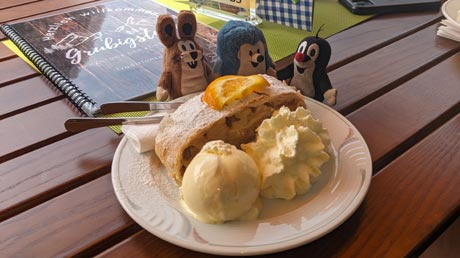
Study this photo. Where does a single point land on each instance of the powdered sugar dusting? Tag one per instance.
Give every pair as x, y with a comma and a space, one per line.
146, 169
148, 190
163, 182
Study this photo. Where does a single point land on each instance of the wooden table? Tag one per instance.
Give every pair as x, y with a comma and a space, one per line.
398, 83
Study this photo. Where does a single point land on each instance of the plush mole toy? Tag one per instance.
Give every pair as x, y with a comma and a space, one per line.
242, 50
310, 76
184, 70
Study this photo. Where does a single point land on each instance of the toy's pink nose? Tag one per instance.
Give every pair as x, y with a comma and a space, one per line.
299, 57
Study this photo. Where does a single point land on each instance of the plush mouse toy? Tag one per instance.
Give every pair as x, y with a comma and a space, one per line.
242, 50
310, 76
184, 69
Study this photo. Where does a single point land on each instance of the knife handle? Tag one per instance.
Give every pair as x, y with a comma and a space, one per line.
78, 124
124, 106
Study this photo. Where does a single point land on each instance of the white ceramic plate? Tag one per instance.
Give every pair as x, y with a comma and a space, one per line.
152, 199
450, 10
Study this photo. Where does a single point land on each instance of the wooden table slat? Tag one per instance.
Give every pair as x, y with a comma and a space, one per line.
11, 3
35, 128
61, 10
5, 53
411, 110
39, 92
371, 76
39, 7
376, 33
14, 70
400, 211
42, 174
65, 225
145, 245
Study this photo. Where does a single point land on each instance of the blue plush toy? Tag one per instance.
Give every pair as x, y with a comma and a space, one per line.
242, 50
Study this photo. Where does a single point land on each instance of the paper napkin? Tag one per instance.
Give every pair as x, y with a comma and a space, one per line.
449, 29
142, 136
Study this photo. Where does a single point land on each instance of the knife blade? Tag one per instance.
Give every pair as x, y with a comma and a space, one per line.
78, 124
131, 106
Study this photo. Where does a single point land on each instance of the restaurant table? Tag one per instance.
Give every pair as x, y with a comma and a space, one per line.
398, 84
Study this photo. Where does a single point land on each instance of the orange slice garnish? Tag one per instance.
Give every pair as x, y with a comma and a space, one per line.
229, 88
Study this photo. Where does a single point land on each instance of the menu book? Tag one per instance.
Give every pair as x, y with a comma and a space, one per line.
104, 53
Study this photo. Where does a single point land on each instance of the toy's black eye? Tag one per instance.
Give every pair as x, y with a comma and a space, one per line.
258, 51
186, 45
182, 45
250, 52
313, 51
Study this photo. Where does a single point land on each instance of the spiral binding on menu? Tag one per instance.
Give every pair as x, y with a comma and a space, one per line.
69, 89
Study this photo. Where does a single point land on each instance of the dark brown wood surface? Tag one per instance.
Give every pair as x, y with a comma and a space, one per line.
5, 53
398, 84
39, 93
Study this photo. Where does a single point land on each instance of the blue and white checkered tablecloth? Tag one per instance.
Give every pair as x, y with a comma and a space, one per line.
297, 14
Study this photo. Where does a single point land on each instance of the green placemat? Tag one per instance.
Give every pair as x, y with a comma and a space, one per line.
117, 128
281, 40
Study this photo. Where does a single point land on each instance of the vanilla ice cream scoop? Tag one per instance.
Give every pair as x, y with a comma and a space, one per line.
222, 183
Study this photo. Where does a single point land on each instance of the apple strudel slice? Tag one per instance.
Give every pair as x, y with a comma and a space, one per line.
182, 134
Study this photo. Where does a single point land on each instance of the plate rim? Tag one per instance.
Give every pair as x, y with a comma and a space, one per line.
444, 8
261, 249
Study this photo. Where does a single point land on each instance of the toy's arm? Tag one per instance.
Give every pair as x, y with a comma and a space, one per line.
329, 93
272, 72
217, 68
164, 86
286, 73
210, 76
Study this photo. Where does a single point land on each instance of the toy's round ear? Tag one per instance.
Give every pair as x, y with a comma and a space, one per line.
186, 24
166, 30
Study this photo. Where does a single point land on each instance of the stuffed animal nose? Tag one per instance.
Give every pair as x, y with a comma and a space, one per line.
257, 58
191, 56
194, 55
299, 57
